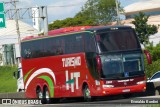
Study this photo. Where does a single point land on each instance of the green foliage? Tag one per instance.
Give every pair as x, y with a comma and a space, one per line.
151, 69
101, 12
151, 105
94, 12
7, 82
155, 66
77, 21
143, 30
154, 51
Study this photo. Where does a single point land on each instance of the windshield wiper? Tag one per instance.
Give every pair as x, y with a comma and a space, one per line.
120, 51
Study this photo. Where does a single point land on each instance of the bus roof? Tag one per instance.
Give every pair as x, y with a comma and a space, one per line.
60, 31
101, 28
75, 29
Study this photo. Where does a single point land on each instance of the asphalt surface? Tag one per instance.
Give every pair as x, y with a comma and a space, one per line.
110, 101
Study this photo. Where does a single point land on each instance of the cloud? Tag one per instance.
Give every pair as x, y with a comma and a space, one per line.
25, 3
57, 9
69, 9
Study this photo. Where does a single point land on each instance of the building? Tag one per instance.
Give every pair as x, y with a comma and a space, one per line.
9, 46
149, 7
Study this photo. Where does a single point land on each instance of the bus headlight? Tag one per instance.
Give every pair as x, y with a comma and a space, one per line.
108, 86
141, 82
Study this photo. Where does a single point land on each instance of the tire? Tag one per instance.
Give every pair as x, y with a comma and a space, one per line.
46, 96
86, 94
39, 93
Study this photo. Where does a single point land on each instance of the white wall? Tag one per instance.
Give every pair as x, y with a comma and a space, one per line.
155, 39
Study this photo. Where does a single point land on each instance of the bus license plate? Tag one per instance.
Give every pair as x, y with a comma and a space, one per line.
126, 90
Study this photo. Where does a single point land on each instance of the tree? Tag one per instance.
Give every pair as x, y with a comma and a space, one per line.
101, 12
76, 21
94, 12
142, 29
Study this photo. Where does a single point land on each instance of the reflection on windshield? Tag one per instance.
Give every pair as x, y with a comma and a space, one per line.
117, 41
122, 65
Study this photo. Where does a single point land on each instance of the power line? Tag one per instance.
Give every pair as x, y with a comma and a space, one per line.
69, 5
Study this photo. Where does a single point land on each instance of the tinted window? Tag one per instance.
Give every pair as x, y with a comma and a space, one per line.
117, 40
43, 47
73, 43
89, 43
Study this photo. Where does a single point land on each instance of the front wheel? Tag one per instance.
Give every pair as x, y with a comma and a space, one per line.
86, 94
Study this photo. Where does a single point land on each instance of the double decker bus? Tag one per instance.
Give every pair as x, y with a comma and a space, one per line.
83, 61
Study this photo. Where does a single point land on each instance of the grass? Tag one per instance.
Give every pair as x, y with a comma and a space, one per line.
7, 82
153, 105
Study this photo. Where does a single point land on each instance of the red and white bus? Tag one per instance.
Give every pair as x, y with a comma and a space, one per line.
83, 61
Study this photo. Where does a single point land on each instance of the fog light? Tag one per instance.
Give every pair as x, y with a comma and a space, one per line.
104, 92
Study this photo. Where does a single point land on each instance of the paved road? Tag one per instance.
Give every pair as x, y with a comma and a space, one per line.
112, 101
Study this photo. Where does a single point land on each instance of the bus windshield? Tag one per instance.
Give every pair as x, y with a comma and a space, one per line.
122, 65
119, 40
120, 54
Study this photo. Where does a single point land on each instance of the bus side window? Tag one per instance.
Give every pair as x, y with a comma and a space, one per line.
59, 51
58, 46
74, 44
89, 43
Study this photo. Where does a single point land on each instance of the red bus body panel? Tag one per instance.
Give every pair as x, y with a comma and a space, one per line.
65, 75
57, 66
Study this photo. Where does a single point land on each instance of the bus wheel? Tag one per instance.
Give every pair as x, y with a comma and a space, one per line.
86, 94
46, 96
39, 93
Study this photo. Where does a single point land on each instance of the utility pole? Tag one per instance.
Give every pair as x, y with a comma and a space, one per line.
117, 9
26, 13
44, 17
17, 28
29, 13
46, 21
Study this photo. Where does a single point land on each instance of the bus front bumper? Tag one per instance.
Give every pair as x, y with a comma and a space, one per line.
123, 90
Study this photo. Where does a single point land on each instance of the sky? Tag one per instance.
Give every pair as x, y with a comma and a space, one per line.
60, 9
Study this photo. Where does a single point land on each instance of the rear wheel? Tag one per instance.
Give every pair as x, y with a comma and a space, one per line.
86, 93
39, 93
46, 96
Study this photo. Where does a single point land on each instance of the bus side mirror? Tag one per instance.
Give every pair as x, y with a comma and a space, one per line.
148, 56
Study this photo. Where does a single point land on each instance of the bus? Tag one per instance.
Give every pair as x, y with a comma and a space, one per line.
83, 61
19, 76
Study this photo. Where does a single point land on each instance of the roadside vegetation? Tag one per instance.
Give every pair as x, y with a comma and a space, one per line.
155, 66
143, 31
7, 81
94, 12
